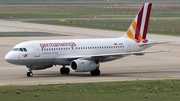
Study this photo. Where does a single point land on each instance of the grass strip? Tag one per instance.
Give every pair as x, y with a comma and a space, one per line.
161, 90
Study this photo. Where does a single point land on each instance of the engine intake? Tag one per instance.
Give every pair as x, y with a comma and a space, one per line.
83, 65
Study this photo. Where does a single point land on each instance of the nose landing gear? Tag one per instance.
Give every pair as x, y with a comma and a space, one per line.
30, 74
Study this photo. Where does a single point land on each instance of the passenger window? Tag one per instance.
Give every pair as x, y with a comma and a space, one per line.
20, 49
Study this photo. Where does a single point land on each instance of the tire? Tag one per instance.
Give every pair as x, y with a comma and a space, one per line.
29, 74
67, 70
95, 72
64, 70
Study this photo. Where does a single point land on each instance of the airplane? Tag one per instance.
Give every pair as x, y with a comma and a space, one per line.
84, 55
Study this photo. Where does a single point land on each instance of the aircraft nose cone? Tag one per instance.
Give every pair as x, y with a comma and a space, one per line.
13, 58
8, 58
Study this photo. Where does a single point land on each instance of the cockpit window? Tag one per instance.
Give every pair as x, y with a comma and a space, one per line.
20, 49
15, 49
25, 50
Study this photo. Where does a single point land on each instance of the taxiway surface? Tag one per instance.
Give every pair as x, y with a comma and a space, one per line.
147, 67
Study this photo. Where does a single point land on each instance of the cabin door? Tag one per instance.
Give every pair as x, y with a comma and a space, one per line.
36, 50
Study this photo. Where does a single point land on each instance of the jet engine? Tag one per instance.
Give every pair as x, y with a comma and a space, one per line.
83, 65
39, 67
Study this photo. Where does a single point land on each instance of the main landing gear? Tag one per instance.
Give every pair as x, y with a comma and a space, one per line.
64, 70
95, 72
30, 74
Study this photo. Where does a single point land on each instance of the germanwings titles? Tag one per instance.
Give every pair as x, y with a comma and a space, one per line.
84, 55
44, 45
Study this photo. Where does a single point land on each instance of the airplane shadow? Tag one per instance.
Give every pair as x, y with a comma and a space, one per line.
115, 74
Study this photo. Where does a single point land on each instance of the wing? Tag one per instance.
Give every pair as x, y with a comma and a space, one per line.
112, 56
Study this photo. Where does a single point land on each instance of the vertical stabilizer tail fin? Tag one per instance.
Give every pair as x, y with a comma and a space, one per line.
139, 26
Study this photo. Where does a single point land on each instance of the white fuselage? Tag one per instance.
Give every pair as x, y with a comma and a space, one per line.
57, 52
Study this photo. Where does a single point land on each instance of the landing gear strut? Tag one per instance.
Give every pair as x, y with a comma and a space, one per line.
64, 70
30, 74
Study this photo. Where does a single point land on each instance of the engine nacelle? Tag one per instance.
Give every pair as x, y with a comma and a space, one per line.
39, 67
83, 65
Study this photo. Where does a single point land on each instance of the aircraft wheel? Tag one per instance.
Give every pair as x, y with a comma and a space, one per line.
67, 70
95, 72
29, 74
64, 70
